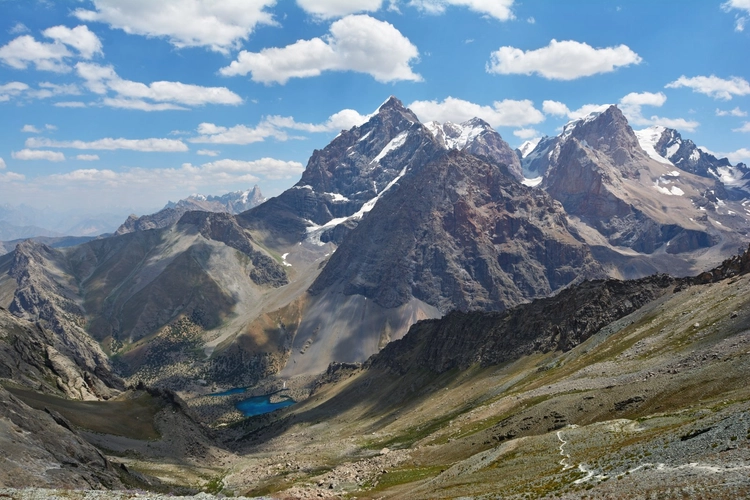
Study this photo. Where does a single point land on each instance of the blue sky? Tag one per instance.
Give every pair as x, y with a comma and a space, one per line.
126, 104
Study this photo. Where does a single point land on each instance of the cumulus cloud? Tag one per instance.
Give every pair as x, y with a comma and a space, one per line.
209, 133
526, 133
555, 108
8, 177
338, 8
30, 129
208, 152
80, 38
566, 60
744, 128
713, 86
87, 157
275, 127
2, 164
742, 154
220, 26
355, 43
342, 120
12, 89
38, 154
267, 167
165, 95
506, 113
109, 144
24, 50
732, 112
499, 9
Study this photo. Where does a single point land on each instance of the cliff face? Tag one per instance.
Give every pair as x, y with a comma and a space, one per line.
459, 233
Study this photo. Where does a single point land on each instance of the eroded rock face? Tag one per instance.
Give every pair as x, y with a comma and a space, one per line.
224, 228
600, 174
460, 340
459, 233
41, 450
82, 369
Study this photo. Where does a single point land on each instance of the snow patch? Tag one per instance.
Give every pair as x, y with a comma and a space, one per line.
527, 147
336, 197
283, 260
671, 150
532, 182
314, 231
648, 138
395, 143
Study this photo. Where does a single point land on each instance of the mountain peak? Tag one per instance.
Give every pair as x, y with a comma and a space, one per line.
391, 103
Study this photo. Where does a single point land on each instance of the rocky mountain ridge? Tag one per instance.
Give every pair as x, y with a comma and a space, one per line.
231, 203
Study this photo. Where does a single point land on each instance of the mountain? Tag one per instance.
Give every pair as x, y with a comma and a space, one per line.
232, 203
632, 209
476, 137
10, 232
608, 386
526, 148
667, 145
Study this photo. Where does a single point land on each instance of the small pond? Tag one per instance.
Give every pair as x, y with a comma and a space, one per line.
256, 405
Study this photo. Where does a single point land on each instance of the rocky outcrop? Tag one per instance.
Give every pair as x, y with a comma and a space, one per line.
83, 370
460, 340
224, 228
459, 233
41, 450
599, 172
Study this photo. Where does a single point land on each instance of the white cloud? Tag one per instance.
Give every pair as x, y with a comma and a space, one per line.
221, 26
50, 127
740, 20
713, 86
18, 29
47, 90
38, 154
342, 120
87, 157
144, 145
134, 95
208, 152
8, 177
499, 9
338, 8
566, 60
2, 164
531, 20
80, 38
210, 133
507, 113
555, 108
355, 43
744, 128
267, 167
30, 129
70, 104
141, 105
24, 50
526, 133
732, 112
12, 89
742, 154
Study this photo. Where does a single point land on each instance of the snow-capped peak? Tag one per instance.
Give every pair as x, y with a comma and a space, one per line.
648, 138
527, 147
458, 136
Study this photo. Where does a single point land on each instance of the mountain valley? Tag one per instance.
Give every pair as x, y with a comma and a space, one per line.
451, 317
